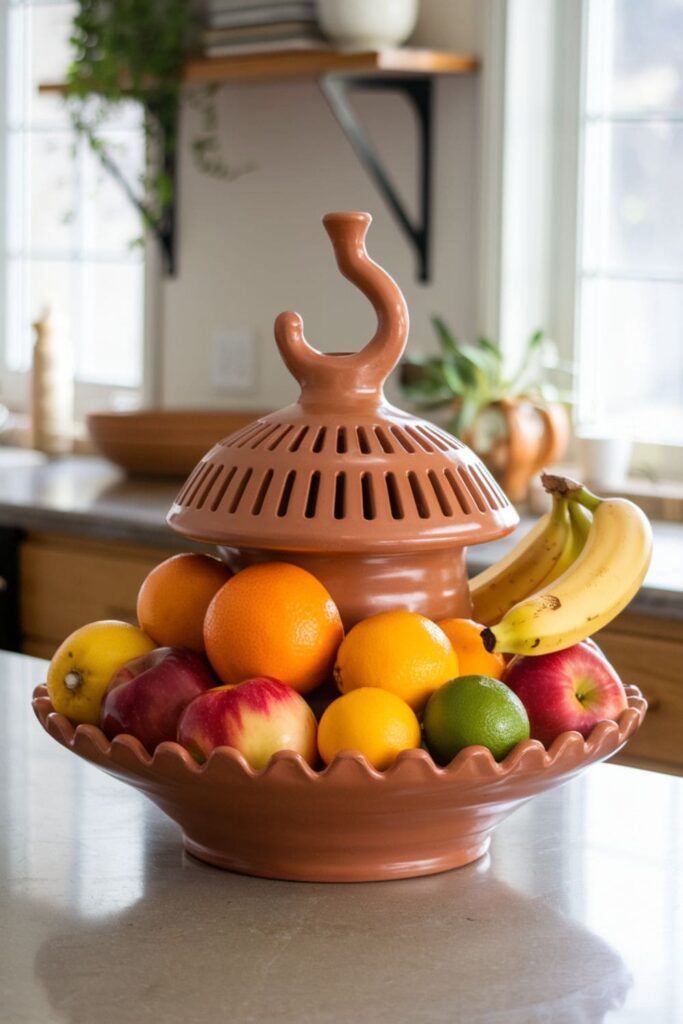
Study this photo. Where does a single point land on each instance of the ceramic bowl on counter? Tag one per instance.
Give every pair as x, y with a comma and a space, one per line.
348, 822
161, 442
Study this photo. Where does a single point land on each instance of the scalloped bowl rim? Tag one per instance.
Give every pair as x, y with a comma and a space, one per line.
479, 757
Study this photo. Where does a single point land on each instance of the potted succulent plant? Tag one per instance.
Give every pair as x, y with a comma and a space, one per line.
516, 423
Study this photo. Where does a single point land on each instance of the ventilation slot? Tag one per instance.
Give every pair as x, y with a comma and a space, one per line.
283, 504
341, 440
239, 435
222, 489
386, 444
201, 480
502, 497
471, 485
442, 438
363, 443
180, 500
251, 435
312, 497
485, 487
340, 496
262, 491
319, 440
213, 479
443, 501
402, 440
296, 443
278, 440
368, 496
264, 437
241, 488
431, 435
418, 496
395, 503
459, 491
420, 441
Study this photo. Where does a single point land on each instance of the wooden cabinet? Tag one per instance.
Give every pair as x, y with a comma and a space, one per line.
648, 652
66, 582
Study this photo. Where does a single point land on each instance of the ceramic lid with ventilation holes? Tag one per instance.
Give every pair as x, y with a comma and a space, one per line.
341, 469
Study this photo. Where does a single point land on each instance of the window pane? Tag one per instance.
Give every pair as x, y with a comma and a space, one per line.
53, 192
32, 288
633, 211
50, 56
110, 222
631, 360
635, 56
111, 352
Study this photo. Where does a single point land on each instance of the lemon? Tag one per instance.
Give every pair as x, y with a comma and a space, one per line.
398, 651
85, 662
470, 711
374, 722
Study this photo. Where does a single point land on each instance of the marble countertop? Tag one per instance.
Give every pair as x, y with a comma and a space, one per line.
89, 496
574, 916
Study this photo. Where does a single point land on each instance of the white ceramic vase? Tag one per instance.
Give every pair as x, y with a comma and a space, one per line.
367, 24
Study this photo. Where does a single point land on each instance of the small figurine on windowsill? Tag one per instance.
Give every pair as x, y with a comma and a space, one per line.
51, 391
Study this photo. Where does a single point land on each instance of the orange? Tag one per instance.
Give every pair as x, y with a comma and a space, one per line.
172, 601
374, 722
399, 651
276, 620
473, 657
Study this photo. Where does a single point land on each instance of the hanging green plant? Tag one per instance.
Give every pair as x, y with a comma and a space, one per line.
134, 51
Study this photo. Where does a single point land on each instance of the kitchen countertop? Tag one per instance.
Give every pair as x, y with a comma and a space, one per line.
575, 915
89, 496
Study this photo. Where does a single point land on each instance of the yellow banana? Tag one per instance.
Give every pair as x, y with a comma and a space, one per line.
495, 590
591, 592
579, 521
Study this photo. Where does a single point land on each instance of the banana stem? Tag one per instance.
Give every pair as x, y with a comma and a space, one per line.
488, 638
572, 489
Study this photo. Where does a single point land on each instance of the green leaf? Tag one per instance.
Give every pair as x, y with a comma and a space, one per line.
447, 341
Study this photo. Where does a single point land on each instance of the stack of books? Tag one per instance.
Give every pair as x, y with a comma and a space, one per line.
254, 26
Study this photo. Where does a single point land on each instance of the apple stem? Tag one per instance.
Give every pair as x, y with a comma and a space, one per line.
72, 680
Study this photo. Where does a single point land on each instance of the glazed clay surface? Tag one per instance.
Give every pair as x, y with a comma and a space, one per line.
378, 503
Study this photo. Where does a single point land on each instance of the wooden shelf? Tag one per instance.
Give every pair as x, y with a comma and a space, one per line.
313, 63
404, 70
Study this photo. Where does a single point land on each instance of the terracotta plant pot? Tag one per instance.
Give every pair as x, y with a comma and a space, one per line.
347, 823
522, 438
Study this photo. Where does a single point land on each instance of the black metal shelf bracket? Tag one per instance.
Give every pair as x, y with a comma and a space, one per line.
419, 90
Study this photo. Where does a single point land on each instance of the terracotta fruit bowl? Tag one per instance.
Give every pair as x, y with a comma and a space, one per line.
348, 823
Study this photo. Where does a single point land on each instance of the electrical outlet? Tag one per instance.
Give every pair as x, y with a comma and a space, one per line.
233, 360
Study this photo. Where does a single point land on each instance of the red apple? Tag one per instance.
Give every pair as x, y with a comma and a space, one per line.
257, 717
573, 689
148, 694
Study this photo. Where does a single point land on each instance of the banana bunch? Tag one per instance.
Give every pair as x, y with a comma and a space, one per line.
568, 577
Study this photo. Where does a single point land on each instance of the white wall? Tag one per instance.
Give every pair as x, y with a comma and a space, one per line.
251, 248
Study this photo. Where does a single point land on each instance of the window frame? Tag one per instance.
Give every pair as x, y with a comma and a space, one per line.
14, 385
512, 35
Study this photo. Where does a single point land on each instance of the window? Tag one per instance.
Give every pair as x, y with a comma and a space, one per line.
630, 252
66, 229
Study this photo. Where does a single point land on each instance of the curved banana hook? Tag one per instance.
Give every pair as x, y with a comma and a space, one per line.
362, 372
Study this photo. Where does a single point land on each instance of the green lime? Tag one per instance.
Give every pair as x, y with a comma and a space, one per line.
474, 710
